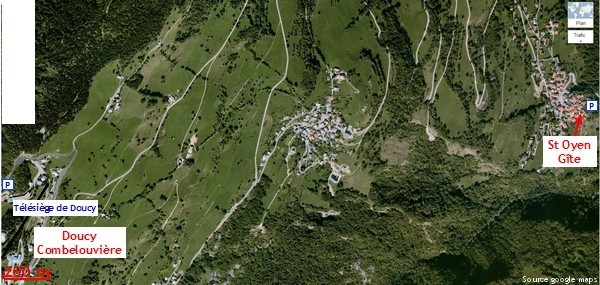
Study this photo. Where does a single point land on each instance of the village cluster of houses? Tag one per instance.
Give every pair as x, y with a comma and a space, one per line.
553, 80
322, 124
543, 36
565, 106
322, 128
322, 131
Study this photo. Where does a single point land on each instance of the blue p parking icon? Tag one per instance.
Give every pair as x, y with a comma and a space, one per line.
8, 184
591, 106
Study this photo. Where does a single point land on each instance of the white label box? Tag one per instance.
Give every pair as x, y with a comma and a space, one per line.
591, 106
79, 242
54, 208
580, 37
8, 184
570, 151
580, 23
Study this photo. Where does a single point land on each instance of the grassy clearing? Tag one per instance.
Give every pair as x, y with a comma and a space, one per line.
313, 199
509, 140
395, 151
450, 110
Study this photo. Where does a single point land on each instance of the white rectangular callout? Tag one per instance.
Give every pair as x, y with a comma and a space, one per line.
570, 151
53, 208
79, 242
18, 61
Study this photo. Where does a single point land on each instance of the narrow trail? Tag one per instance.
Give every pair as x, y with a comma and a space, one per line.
269, 50
107, 7
352, 86
273, 200
185, 135
479, 96
535, 55
151, 211
502, 85
364, 131
433, 88
257, 66
160, 42
174, 207
211, 61
257, 177
455, 7
445, 68
387, 83
481, 101
525, 31
142, 259
262, 124
489, 17
155, 243
238, 93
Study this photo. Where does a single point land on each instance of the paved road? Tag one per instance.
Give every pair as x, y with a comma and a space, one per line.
423, 37
379, 29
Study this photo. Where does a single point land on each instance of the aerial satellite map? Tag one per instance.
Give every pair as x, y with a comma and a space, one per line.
307, 142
